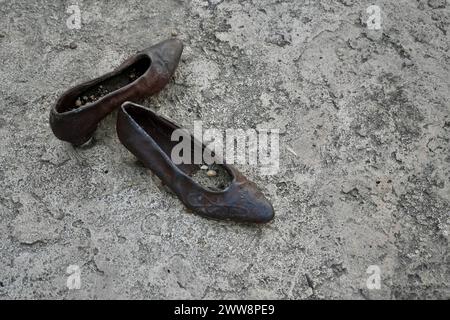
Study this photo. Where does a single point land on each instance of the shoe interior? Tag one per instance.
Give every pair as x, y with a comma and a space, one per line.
214, 177
80, 97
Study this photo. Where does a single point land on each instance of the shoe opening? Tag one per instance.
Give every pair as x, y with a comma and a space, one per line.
214, 177
82, 96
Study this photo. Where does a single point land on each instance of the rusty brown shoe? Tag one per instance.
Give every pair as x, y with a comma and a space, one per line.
148, 136
76, 114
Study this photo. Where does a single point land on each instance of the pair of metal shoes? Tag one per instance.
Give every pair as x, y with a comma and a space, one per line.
76, 114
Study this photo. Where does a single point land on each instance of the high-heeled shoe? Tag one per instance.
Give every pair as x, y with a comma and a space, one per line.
76, 114
148, 136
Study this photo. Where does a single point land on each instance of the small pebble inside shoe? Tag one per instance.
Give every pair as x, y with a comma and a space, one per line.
213, 177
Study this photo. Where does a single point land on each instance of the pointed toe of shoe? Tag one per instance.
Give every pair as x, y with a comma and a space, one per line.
252, 206
170, 52
265, 213
261, 212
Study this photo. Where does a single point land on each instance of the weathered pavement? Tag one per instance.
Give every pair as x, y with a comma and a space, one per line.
364, 177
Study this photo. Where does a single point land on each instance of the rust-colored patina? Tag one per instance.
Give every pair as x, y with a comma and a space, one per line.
148, 136
156, 66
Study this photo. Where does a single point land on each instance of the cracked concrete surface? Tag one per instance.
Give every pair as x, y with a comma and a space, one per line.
364, 177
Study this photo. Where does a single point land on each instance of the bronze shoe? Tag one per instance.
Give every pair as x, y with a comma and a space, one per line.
76, 114
148, 136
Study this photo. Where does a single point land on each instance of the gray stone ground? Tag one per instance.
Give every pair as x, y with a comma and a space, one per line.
366, 114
